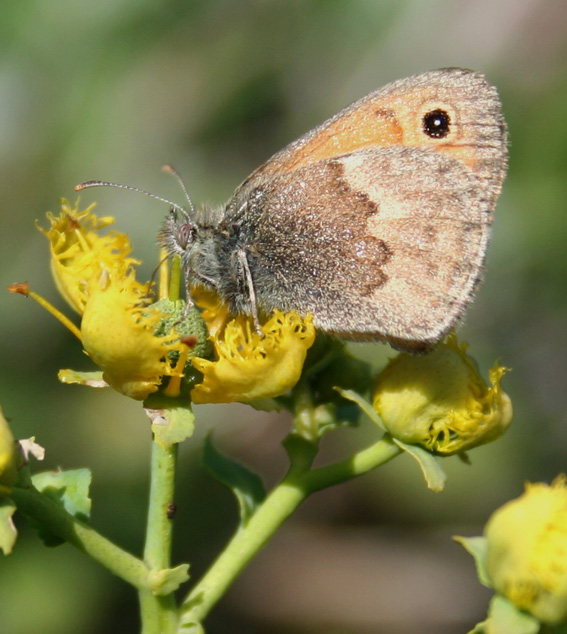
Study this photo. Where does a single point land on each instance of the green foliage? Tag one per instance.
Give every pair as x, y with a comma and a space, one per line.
172, 420
429, 464
476, 546
69, 489
246, 485
505, 618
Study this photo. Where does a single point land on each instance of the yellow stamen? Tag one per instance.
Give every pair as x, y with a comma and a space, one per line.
23, 289
173, 388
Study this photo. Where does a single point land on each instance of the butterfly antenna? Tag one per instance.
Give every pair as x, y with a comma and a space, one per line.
89, 184
171, 170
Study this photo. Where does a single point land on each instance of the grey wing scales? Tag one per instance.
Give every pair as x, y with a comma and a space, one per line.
385, 243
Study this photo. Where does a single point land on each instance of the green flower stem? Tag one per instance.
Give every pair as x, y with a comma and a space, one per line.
150, 612
55, 518
304, 418
158, 613
175, 279
246, 543
157, 550
362, 462
278, 506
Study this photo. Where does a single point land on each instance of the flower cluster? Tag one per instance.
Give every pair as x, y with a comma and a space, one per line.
122, 329
142, 346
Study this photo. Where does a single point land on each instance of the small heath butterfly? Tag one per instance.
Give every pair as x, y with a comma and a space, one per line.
376, 222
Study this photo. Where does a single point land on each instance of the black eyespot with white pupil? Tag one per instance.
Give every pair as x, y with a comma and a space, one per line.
437, 124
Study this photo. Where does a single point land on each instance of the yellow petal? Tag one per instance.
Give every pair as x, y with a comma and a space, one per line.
215, 314
250, 366
118, 334
79, 254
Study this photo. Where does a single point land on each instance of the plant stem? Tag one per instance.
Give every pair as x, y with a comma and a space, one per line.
55, 518
304, 424
157, 551
150, 612
362, 462
278, 506
159, 613
246, 543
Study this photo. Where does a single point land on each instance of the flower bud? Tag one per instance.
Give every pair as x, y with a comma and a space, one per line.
10, 457
526, 557
440, 401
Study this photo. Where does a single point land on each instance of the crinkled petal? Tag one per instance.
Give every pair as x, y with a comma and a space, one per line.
215, 314
79, 254
118, 334
250, 366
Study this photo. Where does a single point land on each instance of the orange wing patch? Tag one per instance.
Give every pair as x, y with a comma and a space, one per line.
378, 122
368, 126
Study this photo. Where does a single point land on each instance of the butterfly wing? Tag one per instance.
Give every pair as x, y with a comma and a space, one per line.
397, 261
377, 222
393, 116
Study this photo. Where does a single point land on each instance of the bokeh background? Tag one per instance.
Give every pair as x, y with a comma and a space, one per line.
113, 89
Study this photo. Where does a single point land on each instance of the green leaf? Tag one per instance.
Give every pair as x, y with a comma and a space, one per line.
246, 485
476, 546
479, 628
191, 628
8, 532
266, 405
505, 618
432, 471
173, 420
434, 475
364, 405
69, 489
90, 379
166, 581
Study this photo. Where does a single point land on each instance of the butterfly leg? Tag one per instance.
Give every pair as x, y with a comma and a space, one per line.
188, 299
251, 292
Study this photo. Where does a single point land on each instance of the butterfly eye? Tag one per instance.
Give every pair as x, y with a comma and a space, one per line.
185, 235
436, 124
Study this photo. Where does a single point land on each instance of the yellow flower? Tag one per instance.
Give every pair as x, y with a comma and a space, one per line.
10, 457
79, 254
214, 313
97, 278
249, 366
526, 557
118, 335
136, 344
440, 401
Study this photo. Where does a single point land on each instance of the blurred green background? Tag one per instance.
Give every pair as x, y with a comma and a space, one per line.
114, 89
